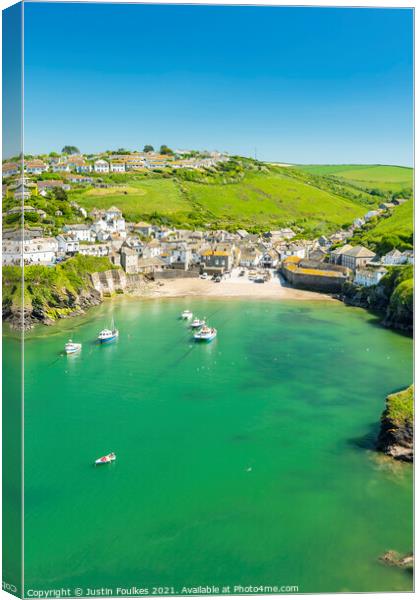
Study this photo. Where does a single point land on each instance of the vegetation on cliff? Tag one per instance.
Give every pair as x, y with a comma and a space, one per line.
392, 298
400, 406
396, 434
392, 231
48, 293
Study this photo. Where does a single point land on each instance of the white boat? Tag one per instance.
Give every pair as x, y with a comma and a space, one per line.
206, 334
72, 347
187, 314
106, 459
197, 323
108, 335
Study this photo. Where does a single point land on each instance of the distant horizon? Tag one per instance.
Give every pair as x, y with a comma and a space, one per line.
276, 161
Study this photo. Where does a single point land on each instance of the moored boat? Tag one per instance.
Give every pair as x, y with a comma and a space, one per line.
197, 323
108, 335
187, 314
206, 334
106, 459
72, 347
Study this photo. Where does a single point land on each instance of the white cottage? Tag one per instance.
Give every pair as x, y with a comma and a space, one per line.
80, 232
117, 167
368, 277
101, 166
35, 251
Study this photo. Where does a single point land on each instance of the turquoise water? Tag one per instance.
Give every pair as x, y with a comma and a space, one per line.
241, 462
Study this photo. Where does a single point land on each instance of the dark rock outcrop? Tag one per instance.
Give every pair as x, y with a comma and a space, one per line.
396, 434
394, 559
65, 305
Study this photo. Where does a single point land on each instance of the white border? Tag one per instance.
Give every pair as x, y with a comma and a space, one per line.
318, 3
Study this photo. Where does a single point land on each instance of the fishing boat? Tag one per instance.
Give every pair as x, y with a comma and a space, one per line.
108, 335
187, 314
206, 334
197, 323
108, 458
72, 347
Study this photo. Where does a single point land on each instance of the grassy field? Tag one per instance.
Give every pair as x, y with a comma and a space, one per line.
139, 200
401, 221
316, 198
383, 177
258, 201
273, 199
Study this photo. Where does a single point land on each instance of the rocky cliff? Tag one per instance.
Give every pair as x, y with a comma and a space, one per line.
50, 293
396, 433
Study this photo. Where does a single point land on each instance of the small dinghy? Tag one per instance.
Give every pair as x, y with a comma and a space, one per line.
206, 334
187, 314
197, 323
106, 459
72, 347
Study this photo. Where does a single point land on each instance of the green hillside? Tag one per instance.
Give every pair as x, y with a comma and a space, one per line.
240, 193
396, 231
140, 197
383, 177
271, 199
243, 193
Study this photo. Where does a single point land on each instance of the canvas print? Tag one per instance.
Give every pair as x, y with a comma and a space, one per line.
207, 252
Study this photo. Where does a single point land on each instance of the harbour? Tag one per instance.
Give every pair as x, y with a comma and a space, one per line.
242, 451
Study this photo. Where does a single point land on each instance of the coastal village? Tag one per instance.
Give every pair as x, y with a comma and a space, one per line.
208, 300
158, 252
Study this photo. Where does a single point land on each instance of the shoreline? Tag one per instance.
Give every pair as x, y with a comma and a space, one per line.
229, 288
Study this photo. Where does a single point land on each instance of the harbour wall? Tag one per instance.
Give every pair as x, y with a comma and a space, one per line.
116, 281
176, 274
109, 282
303, 275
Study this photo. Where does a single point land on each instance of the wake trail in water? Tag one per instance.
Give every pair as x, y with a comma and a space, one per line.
193, 346
56, 360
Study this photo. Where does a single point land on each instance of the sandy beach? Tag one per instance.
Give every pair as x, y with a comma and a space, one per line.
231, 288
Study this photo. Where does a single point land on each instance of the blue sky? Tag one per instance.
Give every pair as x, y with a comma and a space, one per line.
309, 85
12, 80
